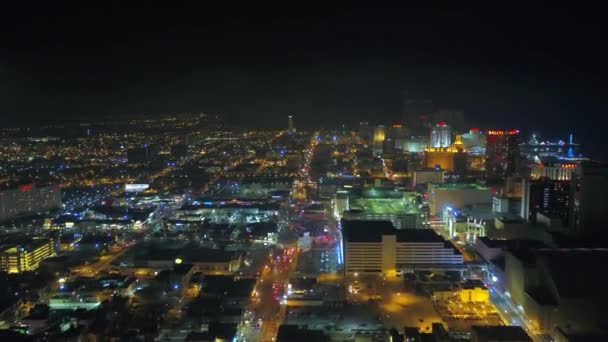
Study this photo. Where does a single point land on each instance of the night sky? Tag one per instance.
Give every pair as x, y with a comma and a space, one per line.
533, 69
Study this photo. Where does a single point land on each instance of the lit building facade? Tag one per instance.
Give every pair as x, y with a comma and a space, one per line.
412, 144
378, 139
552, 198
452, 159
28, 199
502, 153
553, 171
428, 176
457, 196
376, 247
475, 141
441, 135
25, 257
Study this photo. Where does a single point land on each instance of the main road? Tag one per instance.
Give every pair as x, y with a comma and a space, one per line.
266, 310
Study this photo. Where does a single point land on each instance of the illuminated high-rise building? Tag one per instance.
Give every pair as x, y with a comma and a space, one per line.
455, 118
28, 199
552, 198
397, 131
365, 132
590, 204
441, 135
453, 158
291, 128
379, 137
475, 141
417, 114
502, 153
554, 170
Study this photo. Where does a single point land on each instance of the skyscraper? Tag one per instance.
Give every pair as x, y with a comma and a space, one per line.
455, 118
502, 152
590, 183
365, 132
291, 128
417, 114
552, 198
379, 137
453, 158
441, 135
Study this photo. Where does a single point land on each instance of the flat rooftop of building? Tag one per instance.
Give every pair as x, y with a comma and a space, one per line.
380, 206
460, 186
228, 286
303, 283
209, 255
366, 231
293, 333
376, 193
372, 231
510, 218
28, 244
511, 243
500, 333
189, 254
261, 205
568, 266
473, 283
215, 332
583, 337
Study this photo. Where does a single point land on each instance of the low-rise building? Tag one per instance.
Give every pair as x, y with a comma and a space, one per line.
549, 287
25, 256
474, 291
457, 196
377, 247
402, 208
499, 333
435, 176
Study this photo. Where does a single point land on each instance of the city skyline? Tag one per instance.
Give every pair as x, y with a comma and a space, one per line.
262, 173
332, 65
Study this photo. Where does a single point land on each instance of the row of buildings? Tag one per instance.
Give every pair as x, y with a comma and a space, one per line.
553, 287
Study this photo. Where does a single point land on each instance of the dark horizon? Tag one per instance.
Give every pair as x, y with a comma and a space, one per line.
536, 70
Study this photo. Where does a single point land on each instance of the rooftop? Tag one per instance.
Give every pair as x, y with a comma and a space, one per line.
568, 266
502, 333
366, 231
460, 186
293, 333
511, 243
228, 286
372, 231
215, 332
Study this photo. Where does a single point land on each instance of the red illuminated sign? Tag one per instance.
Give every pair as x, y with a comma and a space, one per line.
26, 187
441, 124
